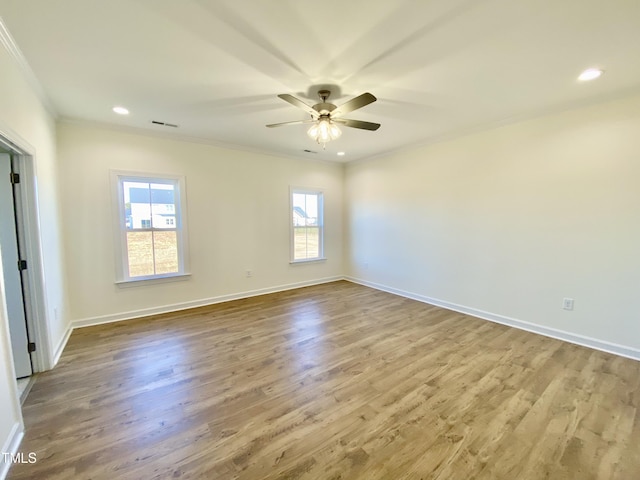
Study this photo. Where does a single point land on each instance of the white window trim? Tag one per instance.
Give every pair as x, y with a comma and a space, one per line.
119, 228
313, 191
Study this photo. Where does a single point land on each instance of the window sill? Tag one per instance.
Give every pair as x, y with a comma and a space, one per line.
310, 260
153, 280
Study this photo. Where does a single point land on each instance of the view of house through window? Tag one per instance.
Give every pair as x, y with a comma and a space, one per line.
151, 237
307, 242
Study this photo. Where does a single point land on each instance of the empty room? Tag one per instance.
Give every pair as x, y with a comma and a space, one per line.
269, 239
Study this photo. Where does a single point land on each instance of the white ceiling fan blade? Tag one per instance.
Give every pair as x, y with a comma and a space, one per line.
297, 122
357, 124
298, 103
354, 104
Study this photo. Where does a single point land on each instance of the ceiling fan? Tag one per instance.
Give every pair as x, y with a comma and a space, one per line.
325, 117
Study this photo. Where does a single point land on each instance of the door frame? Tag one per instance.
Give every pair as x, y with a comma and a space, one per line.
31, 244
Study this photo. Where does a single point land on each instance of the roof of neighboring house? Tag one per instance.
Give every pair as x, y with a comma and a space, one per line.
300, 212
155, 196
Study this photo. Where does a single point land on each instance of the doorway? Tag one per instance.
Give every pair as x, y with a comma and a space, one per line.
13, 263
20, 252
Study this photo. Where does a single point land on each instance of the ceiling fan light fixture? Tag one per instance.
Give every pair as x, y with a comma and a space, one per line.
324, 131
334, 131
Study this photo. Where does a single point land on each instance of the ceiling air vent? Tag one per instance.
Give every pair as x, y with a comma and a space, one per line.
164, 124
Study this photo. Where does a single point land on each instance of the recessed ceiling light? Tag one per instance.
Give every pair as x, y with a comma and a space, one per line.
121, 110
340, 154
590, 74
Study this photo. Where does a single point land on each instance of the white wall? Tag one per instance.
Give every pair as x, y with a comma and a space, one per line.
23, 118
238, 215
507, 222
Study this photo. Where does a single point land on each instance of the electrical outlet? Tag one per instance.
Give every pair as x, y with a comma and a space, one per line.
249, 273
567, 303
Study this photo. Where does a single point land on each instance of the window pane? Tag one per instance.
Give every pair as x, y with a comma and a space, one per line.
313, 244
163, 205
299, 212
311, 208
305, 209
166, 252
137, 203
306, 243
140, 253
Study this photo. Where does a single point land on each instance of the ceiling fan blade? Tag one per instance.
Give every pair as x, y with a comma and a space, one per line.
354, 104
298, 103
357, 124
297, 122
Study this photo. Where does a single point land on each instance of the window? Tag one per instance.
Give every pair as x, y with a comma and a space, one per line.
307, 229
151, 226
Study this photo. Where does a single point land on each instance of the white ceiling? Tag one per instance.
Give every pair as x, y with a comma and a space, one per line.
439, 68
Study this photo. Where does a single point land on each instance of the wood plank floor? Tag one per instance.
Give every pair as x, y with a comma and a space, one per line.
336, 381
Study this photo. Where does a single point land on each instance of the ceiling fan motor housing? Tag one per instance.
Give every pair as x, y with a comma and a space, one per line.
324, 108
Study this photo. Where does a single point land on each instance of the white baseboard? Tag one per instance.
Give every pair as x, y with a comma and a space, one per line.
11, 446
61, 344
117, 317
621, 350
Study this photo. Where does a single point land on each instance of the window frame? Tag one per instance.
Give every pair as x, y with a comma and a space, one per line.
321, 227
118, 178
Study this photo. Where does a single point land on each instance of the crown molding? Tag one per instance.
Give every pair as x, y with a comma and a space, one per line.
178, 137
529, 115
10, 45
